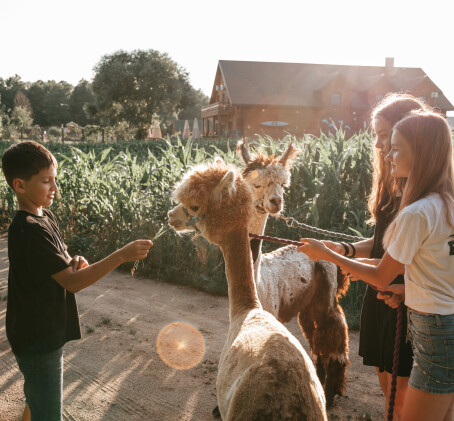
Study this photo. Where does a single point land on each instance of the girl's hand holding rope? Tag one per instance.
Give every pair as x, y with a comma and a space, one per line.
319, 250
315, 249
332, 245
397, 296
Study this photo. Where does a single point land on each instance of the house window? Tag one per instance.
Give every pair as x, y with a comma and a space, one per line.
335, 99
434, 94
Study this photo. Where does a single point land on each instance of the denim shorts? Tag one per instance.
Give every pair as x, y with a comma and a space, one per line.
43, 384
432, 338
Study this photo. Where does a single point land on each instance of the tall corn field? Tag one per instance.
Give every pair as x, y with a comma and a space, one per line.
112, 194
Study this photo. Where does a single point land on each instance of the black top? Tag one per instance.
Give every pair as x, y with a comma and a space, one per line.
383, 221
41, 315
378, 320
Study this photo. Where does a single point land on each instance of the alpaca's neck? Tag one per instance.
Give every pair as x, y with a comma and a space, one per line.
258, 223
238, 267
257, 226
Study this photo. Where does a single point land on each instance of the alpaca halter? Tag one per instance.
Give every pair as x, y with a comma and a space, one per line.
192, 220
259, 206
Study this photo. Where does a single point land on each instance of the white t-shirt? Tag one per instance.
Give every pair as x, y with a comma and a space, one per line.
424, 242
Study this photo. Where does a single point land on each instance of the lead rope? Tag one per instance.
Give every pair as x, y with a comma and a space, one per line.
392, 394
293, 223
276, 240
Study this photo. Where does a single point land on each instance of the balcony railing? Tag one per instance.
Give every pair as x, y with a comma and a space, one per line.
216, 109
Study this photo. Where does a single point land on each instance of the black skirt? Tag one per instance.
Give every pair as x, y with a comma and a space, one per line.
378, 333
378, 320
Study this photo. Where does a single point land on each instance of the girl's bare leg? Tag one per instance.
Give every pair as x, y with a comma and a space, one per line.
401, 390
450, 413
384, 386
423, 406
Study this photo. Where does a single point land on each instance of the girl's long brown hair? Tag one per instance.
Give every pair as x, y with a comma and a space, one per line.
393, 107
432, 170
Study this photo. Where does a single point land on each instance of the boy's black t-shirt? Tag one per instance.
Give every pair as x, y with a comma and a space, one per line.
41, 315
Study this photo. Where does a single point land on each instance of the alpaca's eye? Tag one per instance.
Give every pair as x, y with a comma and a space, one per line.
257, 187
194, 208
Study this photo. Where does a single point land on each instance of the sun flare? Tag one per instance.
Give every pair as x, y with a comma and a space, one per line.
180, 345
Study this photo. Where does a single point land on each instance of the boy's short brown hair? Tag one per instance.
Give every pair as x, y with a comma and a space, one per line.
25, 159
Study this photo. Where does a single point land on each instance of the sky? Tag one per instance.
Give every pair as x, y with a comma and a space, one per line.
65, 39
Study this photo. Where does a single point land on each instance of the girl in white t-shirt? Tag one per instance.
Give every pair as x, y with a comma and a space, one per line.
419, 242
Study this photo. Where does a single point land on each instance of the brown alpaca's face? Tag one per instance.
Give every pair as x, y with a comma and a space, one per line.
214, 200
180, 221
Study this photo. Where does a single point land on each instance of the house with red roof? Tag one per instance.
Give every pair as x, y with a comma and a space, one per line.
276, 99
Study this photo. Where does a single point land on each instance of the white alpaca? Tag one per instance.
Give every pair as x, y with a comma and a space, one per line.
264, 373
289, 284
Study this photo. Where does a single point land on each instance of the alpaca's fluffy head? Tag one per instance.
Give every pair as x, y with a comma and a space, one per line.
218, 194
267, 176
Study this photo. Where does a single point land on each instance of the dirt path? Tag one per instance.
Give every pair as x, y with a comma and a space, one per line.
115, 372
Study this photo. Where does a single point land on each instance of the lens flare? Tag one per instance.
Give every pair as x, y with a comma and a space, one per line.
180, 345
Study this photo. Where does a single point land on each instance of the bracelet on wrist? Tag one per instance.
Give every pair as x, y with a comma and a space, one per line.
346, 249
353, 251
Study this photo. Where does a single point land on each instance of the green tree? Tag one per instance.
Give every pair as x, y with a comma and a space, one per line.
82, 104
21, 100
57, 102
139, 87
50, 102
8, 89
196, 99
21, 117
36, 94
3, 117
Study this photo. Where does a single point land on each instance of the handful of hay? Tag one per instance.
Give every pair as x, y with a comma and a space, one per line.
160, 232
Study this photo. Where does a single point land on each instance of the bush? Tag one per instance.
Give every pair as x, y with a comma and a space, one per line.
53, 133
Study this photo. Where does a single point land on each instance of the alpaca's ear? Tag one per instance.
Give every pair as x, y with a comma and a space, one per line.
226, 186
289, 154
242, 148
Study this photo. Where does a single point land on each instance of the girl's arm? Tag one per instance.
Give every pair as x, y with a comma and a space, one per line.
363, 248
380, 276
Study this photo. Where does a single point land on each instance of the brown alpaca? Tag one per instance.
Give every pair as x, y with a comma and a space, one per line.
264, 373
289, 284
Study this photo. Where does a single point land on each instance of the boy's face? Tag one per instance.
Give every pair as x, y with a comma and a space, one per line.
38, 191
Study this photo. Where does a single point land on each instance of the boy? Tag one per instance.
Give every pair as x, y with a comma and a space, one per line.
41, 310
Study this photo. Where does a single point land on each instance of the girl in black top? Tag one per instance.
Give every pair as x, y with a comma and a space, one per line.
378, 320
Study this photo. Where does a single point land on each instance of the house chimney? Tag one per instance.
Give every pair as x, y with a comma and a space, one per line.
389, 62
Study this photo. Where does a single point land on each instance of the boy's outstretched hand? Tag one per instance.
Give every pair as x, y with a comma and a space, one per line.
76, 280
137, 250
